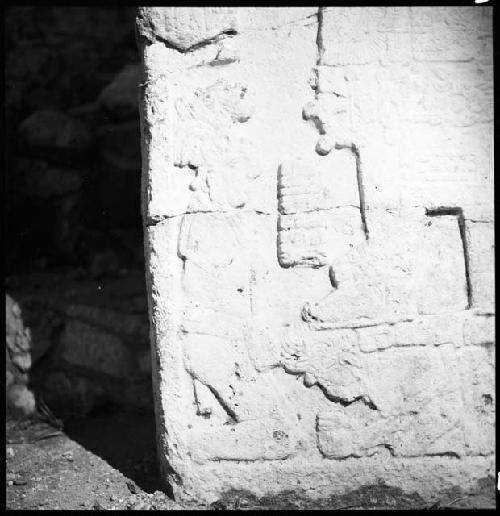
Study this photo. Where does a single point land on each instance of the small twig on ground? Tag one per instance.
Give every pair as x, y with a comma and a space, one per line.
48, 415
437, 504
455, 500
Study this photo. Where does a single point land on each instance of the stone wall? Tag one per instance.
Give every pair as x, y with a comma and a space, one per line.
76, 345
72, 146
318, 209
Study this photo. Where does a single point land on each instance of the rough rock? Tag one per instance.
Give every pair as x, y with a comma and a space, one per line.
17, 337
50, 130
42, 181
44, 324
87, 346
88, 341
70, 394
120, 98
182, 28
318, 214
21, 401
114, 321
19, 398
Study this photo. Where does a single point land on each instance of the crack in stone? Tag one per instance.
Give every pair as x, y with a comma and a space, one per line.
333, 280
319, 36
259, 460
312, 210
345, 403
157, 219
441, 454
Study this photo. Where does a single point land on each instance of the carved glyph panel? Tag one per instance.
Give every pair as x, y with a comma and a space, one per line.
319, 209
319, 235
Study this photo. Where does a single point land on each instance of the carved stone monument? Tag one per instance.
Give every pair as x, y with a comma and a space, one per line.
318, 215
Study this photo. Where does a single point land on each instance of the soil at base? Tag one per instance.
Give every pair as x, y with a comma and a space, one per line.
104, 461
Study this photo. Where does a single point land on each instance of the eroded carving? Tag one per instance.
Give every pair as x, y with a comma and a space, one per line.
220, 105
319, 207
330, 360
297, 335
409, 268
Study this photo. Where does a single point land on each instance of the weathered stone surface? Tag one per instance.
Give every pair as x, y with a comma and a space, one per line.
481, 249
20, 401
419, 423
398, 273
183, 28
479, 330
318, 211
17, 337
479, 399
434, 330
44, 324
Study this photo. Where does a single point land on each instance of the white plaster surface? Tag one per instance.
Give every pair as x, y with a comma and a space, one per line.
318, 212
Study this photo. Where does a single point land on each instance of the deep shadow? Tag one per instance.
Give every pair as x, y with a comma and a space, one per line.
83, 240
125, 440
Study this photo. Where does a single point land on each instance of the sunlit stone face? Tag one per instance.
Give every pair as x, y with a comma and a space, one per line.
318, 213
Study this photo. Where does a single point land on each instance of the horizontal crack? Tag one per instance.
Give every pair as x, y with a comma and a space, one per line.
260, 459
157, 219
312, 210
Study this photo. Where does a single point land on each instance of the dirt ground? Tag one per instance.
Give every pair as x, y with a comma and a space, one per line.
107, 462
104, 462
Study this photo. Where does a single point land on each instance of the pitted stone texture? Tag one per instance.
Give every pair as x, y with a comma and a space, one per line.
479, 330
347, 36
318, 184
237, 113
317, 206
481, 243
433, 330
20, 401
479, 399
423, 126
185, 27
419, 415
17, 337
407, 267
